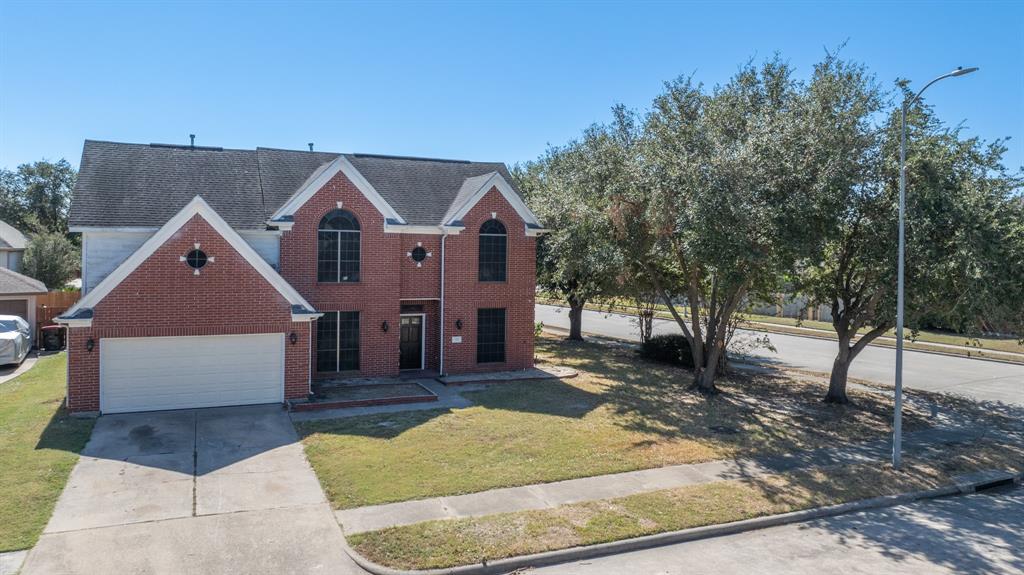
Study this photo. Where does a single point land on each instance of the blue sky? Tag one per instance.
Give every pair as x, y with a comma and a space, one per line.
494, 81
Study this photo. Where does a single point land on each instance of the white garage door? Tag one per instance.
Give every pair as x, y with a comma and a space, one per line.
151, 373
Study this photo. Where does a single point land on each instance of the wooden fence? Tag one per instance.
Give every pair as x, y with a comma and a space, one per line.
51, 305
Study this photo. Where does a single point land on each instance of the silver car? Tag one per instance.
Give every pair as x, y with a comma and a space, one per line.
15, 339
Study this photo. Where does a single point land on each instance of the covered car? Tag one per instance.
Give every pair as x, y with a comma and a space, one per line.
15, 339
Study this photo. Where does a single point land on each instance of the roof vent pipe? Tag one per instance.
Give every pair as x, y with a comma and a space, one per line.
311, 146
192, 137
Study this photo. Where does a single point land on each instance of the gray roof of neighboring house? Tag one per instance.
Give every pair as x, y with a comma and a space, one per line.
14, 283
11, 238
129, 185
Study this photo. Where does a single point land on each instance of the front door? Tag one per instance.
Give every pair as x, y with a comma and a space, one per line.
411, 356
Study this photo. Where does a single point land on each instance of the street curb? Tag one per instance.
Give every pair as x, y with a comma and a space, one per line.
511, 564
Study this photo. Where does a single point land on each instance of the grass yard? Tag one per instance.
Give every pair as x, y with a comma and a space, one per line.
620, 414
39, 444
438, 544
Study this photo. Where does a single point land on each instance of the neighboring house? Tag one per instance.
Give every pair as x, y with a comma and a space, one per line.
12, 247
224, 277
18, 296
17, 292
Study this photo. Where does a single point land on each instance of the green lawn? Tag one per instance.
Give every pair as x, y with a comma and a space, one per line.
39, 444
622, 413
439, 544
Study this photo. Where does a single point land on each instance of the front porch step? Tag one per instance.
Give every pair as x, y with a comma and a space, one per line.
364, 395
538, 372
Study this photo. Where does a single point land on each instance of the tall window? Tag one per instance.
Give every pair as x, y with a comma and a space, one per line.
490, 335
337, 248
337, 341
493, 247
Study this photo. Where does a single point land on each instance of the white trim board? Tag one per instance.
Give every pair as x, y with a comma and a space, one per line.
203, 209
496, 180
320, 178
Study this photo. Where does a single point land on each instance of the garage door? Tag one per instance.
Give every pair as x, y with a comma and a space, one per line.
18, 307
146, 374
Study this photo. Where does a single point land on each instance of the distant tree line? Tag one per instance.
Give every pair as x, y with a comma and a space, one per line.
717, 197
35, 199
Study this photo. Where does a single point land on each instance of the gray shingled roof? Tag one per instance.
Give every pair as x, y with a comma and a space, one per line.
129, 185
14, 283
11, 238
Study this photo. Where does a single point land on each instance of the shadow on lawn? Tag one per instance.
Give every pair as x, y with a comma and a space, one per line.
65, 433
769, 410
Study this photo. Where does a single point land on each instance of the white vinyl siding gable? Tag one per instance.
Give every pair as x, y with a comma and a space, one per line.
103, 251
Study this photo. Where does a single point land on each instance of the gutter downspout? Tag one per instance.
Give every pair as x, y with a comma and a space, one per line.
440, 367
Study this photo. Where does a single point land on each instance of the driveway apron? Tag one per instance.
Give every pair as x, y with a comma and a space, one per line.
224, 490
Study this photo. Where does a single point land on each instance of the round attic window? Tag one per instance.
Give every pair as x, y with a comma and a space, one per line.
196, 259
419, 254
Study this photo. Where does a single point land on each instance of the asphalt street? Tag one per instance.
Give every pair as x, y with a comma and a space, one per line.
981, 533
980, 379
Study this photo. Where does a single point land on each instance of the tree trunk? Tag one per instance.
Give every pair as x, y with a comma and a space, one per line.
837, 381
704, 380
846, 355
576, 320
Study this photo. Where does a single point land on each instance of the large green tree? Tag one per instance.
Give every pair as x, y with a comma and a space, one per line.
963, 254
576, 259
718, 200
36, 197
52, 259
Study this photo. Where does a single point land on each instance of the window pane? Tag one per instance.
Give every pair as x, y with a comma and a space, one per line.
327, 342
490, 335
348, 340
327, 256
492, 258
348, 259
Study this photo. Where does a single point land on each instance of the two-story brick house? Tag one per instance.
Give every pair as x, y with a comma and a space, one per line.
226, 277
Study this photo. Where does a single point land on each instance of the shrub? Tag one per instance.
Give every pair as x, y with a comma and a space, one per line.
670, 348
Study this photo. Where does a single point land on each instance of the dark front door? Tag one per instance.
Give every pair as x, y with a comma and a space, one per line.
412, 342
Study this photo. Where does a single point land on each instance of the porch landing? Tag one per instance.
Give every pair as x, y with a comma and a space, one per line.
537, 372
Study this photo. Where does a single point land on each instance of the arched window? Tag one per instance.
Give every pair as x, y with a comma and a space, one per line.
493, 248
337, 248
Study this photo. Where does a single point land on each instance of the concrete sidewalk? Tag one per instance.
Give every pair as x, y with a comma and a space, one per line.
549, 495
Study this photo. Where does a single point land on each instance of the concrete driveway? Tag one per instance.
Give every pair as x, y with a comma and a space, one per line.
224, 490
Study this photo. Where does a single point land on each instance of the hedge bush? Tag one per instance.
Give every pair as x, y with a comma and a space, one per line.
670, 348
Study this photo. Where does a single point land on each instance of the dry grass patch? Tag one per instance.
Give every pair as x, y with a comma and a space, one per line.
621, 414
438, 544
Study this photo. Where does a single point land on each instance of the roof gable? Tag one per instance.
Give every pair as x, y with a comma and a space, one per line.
11, 282
301, 309
11, 238
474, 189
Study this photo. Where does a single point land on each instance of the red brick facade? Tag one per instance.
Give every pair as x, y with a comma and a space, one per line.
390, 278
163, 297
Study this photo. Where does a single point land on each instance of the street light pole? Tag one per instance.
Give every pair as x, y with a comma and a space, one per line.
897, 425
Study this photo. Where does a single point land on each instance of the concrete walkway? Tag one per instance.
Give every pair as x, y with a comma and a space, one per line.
225, 490
549, 495
10, 561
10, 372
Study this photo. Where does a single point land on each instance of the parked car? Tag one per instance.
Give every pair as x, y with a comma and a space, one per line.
15, 339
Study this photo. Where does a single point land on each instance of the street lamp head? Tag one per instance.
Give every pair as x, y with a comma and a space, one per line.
960, 71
